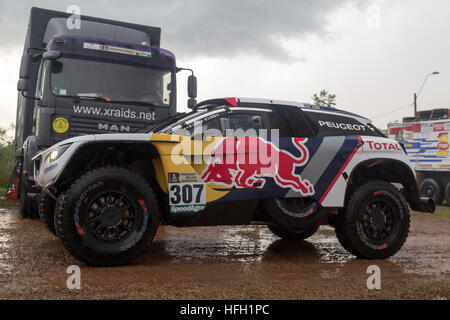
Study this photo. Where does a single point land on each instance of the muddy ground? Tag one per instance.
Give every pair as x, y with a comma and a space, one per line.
245, 262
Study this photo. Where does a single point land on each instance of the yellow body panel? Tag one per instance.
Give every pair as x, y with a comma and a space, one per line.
181, 154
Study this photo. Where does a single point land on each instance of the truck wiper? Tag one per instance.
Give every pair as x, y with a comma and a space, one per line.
95, 98
89, 97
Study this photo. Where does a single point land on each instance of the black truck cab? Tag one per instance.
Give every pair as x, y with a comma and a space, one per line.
103, 76
89, 86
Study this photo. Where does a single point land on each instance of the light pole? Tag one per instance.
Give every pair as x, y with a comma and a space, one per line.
416, 95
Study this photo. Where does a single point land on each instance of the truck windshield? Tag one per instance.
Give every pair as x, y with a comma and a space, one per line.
111, 81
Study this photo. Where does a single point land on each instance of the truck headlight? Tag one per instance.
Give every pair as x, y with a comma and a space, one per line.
56, 153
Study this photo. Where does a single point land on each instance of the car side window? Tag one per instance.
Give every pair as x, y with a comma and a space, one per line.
299, 125
236, 123
242, 121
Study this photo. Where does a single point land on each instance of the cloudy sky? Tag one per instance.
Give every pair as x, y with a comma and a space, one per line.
373, 54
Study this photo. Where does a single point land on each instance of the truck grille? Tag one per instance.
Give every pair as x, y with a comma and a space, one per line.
81, 126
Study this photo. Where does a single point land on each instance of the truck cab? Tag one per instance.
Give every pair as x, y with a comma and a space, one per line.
104, 77
88, 85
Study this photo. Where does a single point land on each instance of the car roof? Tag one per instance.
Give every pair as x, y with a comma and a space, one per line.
247, 102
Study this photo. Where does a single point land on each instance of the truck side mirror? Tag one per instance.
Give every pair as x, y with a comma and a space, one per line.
52, 55
25, 66
191, 103
22, 85
192, 86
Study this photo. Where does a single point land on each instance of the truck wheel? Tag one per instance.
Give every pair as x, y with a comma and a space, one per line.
46, 208
295, 214
27, 206
293, 235
447, 194
375, 223
432, 189
107, 217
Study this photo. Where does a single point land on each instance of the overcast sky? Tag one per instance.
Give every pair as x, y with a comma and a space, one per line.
372, 54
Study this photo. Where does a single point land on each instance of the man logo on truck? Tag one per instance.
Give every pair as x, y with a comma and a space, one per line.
114, 127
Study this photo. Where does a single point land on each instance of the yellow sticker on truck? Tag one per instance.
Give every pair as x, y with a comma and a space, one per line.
60, 125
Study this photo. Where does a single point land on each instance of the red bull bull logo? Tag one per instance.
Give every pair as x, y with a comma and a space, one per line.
246, 162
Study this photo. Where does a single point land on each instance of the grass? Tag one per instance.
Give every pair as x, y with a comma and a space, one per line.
441, 212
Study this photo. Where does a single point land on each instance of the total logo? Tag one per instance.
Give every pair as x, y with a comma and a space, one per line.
383, 146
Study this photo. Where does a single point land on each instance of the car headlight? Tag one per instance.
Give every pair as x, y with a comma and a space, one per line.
54, 154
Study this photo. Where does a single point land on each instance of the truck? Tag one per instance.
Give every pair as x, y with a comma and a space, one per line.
100, 77
426, 138
232, 161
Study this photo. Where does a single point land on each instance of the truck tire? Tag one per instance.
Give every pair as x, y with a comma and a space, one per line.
27, 206
447, 194
286, 234
432, 189
295, 214
375, 222
107, 217
46, 208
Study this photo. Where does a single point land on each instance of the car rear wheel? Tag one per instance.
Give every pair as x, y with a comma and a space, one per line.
295, 214
375, 222
107, 217
286, 234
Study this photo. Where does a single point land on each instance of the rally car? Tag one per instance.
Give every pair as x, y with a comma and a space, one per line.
231, 161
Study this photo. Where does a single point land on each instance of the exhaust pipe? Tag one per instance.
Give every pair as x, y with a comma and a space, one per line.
424, 205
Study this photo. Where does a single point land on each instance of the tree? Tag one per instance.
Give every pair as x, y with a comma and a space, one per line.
324, 99
6, 156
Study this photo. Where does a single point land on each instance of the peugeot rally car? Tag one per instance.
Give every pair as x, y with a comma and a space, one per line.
232, 161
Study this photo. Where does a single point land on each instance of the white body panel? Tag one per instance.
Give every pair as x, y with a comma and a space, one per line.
373, 148
49, 172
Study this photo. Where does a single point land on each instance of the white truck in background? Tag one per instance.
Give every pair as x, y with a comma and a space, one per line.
426, 138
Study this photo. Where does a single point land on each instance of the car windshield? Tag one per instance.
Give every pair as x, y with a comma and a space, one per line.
111, 82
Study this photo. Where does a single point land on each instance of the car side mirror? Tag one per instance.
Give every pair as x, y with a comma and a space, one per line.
192, 87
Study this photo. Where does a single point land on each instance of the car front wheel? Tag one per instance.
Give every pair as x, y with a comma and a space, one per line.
107, 217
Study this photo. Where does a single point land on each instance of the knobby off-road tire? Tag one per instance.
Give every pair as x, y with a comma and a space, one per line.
293, 214
293, 235
107, 217
375, 222
46, 208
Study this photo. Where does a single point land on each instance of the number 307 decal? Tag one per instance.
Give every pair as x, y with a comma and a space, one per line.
187, 197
